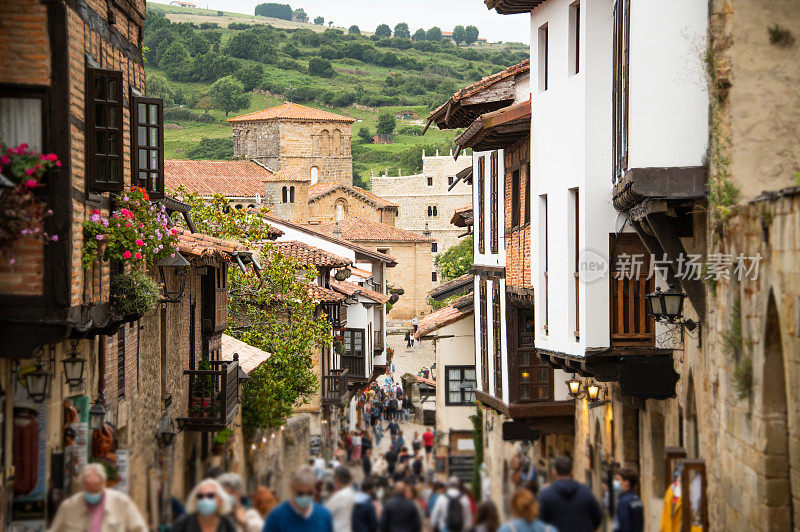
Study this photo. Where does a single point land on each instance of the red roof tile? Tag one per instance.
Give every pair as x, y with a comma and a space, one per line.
229, 178
200, 245
286, 174
363, 230
250, 357
293, 111
324, 295
319, 190
310, 255
350, 289
441, 318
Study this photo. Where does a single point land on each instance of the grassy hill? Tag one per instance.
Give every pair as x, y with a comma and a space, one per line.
188, 49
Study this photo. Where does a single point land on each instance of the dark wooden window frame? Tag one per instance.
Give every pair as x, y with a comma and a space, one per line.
498, 340
545, 234
150, 179
544, 60
484, 324
352, 334
93, 154
481, 202
495, 200
291, 194
430, 181
621, 87
464, 394
576, 263
433, 276
434, 247
575, 9
527, 198
516, 333
516, 199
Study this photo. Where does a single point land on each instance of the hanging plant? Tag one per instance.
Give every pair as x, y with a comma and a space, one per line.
136, 232
343, 274
22, 214
134, 294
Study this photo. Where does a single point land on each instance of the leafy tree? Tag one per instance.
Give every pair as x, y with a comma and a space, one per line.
354, 30
174, 57
471, 34
386, 123
365, 134
434, 34
250, 76
228, 94
383, 31
276, 313
157, 86
205, 104
291, 50
318, 66
218, 149
300, 15
281, 11
420, 35
330, 23
456, 261
459, 34
402, 31
319, 21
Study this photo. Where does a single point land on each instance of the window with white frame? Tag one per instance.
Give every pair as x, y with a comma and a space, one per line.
461, 384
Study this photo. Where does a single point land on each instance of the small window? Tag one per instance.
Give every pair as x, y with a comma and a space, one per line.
148, 145
527, 198
430, 181
434, 276
104, 130
450, 180
435, 211
544, 70
430, 211
285, 195
434, 247
385, 251
461, 385
314, 175
291, 194
515, 199
575, 38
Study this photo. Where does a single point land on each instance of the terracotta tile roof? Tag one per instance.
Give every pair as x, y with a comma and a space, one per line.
310, 255
325, 295
429, 382
350, 289
364, 274
483, 133
293, 111
440, 318
456, 286
319, 231
250, 357
200, 245
229, 178
362, 230
286, 174
319, 190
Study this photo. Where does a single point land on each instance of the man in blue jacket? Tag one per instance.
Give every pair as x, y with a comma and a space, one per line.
630, 511
567, 504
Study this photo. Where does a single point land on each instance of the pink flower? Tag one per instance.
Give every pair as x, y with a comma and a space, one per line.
23, 146
12, 260
100, 237
30, 171
58, 163
138, 255
30, 183
5, 159
173, 231
95, 211
126, 255
96, 218
139, 242
127, 224
105, 223
54, 238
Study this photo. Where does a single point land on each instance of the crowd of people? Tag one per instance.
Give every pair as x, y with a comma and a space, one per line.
402, 500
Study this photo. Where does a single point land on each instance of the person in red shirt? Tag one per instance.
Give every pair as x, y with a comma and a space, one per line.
427, 441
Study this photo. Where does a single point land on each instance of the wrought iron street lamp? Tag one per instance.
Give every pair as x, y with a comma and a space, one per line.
173, 271
166, 431
667, 308
73, 367
593, 392
38, 383
574, 387
97, 414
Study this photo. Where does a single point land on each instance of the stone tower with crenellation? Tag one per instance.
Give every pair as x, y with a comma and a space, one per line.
305, 141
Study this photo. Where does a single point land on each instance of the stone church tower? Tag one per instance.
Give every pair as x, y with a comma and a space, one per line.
303, 140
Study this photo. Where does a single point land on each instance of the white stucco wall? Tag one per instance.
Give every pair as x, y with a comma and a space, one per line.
454, 347
571, 147
488, 258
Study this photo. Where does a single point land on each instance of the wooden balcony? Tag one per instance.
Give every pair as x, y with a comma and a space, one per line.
377, 345
213, 396
356, 367
334, 387
631, 326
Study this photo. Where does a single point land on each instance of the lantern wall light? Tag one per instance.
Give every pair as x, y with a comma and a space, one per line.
173, 271
667, 308
73, 366
38, 383
97, 414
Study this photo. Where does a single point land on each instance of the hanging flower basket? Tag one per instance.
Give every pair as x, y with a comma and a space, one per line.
136, 233
134, 294
22, 213
343, 274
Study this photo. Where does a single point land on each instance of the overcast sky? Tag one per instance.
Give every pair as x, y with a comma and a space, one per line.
367, 14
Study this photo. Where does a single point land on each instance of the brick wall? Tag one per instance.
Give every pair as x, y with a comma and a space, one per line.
518, 239
25, 46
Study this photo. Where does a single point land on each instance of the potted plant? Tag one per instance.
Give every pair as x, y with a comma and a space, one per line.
203, 391
220, 441
134, 294
22, 213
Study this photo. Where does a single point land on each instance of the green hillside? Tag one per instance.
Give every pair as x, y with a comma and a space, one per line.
356, 75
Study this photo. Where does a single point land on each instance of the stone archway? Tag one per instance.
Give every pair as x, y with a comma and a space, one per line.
777, 494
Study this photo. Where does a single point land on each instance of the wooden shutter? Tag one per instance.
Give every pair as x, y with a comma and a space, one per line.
498, 343
527, 198
484, 337
104, 156
516, 200
221, 300
630, 323
147, 145
494, 203
481, 193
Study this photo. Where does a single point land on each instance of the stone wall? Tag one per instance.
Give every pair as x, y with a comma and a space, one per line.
298, 146
296, 211
324, 208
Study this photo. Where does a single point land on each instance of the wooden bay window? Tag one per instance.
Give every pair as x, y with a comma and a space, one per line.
147, 139
104, 166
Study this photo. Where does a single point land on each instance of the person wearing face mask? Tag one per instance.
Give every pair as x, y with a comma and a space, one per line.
234, 491
206, 510
630, 511
300, 513
97, 509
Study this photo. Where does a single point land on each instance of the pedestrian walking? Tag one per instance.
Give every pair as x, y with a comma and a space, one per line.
263, 500
452, 512
97, 508
415, 324
438, 489
399, 513
407, 406
394, 428
391, 461
416, 443
416, 465
381, 467
427, 441
365, 516
408, 340
487, 518
567, 504
356, 454
342, 501
207, 508
366, 463
630, 511
524, 512
234, 491
300, 513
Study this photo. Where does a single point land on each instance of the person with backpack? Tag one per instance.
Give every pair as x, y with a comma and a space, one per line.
566, 503
524, 512
452, 510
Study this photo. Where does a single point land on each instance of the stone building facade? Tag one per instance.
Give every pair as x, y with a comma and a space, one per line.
309, 142
425, 203
330, 202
